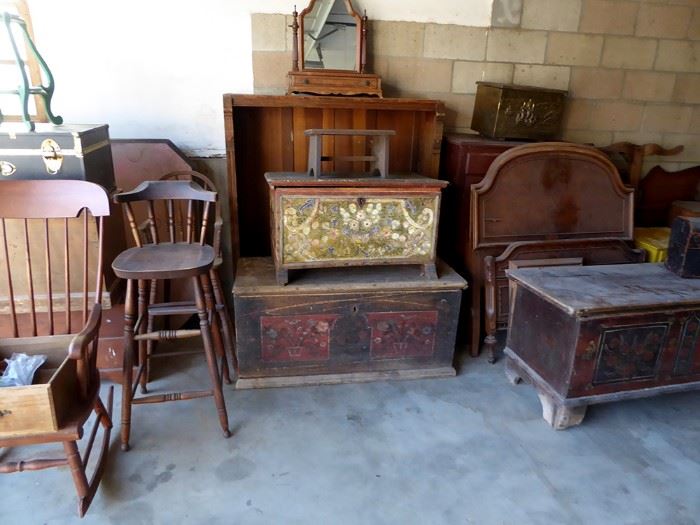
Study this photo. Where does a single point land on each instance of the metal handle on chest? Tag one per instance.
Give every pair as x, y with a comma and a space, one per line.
53, 158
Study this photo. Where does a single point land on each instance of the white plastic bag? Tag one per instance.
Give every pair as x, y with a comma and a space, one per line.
20, 369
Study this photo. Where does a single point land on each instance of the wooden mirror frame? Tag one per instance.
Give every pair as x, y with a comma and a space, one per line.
360, 42
331, 81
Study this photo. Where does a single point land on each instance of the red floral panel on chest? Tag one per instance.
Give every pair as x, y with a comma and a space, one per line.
402, 334
296, 337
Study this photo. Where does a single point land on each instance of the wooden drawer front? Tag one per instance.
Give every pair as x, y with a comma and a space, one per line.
363, 230
336, 84
370, 84
287, 335
42, 406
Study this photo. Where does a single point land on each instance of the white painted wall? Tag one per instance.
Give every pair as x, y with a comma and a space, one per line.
158, 68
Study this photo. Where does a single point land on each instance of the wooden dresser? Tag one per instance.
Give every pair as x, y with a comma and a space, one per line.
464, 161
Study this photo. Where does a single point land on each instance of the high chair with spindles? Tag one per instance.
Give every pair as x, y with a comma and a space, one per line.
220, 318
185, 255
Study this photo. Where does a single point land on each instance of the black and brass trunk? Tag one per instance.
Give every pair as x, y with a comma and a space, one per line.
79, 152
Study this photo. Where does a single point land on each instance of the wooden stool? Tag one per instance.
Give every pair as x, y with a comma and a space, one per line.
149, 263
378, 160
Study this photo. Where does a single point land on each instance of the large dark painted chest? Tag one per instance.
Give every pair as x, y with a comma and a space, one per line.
587, 335
73, 151
331, 325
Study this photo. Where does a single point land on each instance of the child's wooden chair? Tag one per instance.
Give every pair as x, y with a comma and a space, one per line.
184, 255
45, 294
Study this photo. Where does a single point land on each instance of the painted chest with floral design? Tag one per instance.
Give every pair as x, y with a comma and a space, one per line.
333, 325
586, 335
331, 221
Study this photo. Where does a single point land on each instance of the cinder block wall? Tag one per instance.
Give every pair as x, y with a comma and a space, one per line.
632, 67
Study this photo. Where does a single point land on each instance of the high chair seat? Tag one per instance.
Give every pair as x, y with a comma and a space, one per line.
164, 261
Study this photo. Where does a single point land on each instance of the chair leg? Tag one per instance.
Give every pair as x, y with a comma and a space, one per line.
77, 470
211, 358
105, 418
142, 314
215, 326
127, 369
150, 344
224, 319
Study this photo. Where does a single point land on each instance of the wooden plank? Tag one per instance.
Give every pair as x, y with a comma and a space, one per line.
404, 104
328, 145
343, 143
229, 134
360, 180
594, 290
258, 155
339, 379
351, 131
256, 276
286, 130
359, 146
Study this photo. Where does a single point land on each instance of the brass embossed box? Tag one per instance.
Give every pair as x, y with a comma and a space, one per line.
509, 111
353, 221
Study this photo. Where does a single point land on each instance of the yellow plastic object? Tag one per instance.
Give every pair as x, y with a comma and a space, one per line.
654, 241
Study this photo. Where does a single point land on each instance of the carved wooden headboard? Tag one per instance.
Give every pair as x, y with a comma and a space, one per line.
549, 191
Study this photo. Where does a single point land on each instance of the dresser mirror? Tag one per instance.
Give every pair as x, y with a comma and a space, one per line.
329, 51
331, 32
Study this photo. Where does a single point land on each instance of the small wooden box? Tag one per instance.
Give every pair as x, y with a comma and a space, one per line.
509, 111
594, 334
43, 406
684, 247
332, 326
353, 221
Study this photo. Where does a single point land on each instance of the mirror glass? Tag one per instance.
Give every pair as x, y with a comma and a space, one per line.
330, 36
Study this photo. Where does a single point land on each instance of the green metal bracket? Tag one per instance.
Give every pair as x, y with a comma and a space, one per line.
25, 89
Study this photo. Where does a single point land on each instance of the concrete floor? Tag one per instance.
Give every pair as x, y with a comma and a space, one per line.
472, 449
